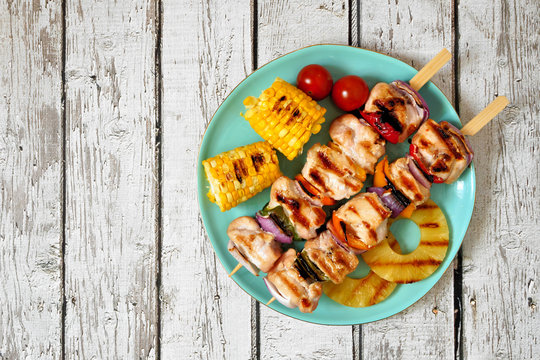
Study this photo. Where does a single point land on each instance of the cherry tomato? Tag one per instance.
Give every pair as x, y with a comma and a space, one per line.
315, 81
350, 92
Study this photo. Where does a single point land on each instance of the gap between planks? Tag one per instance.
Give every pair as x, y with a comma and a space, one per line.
158, 169
63, 185
458, 271
255, 306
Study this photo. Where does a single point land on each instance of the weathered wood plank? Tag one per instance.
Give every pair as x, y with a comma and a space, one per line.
413, 32
499, 55
205, 315
30, 179
284, 26
111, 187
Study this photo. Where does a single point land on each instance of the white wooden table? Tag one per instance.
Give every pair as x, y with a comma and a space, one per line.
103, 105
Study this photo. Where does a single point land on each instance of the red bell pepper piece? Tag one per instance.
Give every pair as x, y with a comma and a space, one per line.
385, 129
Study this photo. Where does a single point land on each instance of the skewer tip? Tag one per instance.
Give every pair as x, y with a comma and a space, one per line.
235, 269
270, 301
485, 116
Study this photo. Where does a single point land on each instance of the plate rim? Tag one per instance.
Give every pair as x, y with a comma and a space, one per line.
201, 195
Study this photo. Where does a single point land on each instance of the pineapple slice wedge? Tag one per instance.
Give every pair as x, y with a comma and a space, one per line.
424, 260
364, 292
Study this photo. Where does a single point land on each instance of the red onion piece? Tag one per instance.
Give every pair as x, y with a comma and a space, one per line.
377, 190
403, 85
469, 158
388, 199
345, 247
417, 173
470, 152
241, 259
392, 203
267, 224
275, 293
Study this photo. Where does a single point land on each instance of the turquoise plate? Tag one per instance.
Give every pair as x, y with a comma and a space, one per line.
228, 130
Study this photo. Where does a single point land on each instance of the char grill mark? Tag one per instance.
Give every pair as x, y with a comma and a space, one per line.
341, 259
448, 141
372, 232
384, 214
277, 105
425, 206
328, 164
240, 170
435, 243
294, 206
291, 202
258, 160
382, 286
440, 165
317, 178
410, 186
429, 225
417, 263
387, 113
290, 285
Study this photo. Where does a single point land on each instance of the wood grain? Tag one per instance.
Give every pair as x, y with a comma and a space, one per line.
30, 179
111, 182
501, 256
115, 123
206, 52
413, 32
284, 26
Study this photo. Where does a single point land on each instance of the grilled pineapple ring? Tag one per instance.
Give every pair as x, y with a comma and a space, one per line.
422, 262
364, 292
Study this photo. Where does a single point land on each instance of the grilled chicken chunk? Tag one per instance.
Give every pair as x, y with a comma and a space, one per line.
332, 259
397, 107
332, 172
365, 218
358, 140
303, 214
402, 179
301, 292
443, 151
256, 245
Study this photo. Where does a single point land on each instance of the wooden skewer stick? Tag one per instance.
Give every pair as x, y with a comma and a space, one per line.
235, 269
485, 116
271, 301
431, 68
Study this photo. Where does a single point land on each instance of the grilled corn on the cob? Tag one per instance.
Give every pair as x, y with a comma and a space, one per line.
241, 173
284, 116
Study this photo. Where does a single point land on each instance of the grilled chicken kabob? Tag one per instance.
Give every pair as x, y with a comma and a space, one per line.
294, 279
